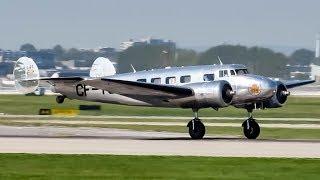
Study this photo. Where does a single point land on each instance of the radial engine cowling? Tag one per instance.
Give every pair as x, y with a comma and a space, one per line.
214, 94
279, 98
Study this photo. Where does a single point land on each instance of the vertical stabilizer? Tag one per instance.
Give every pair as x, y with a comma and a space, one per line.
26, 75
102, 67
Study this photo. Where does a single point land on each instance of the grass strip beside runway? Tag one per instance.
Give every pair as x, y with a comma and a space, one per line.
296, 107
29, 166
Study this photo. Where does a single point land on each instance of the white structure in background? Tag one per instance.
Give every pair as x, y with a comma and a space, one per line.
315, 69
317, 46
152, 41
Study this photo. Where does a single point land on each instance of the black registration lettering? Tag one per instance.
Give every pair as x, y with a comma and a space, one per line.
81, 90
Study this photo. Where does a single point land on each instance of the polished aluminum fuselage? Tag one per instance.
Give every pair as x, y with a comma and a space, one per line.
243, 85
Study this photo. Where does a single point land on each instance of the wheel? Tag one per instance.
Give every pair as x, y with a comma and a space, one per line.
60, 99
196, 129
254, 129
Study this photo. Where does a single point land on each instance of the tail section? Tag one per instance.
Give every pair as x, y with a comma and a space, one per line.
26, 75
102, 67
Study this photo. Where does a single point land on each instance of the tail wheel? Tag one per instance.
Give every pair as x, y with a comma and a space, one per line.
251, 128
196, 129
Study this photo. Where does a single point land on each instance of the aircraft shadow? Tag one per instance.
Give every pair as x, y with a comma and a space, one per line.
161, 138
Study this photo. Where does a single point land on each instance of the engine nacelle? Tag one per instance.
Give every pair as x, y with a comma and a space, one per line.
214, 94
279, 98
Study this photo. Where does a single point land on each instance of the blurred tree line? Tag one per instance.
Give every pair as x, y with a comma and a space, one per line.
259, 60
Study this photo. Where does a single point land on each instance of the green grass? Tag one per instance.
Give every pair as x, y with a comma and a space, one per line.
28, 166
297, 107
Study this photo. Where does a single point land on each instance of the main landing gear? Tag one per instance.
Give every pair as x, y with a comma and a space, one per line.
197, 130
60, 99
251, 128
196, 127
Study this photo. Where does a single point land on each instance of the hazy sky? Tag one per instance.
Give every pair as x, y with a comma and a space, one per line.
201, 23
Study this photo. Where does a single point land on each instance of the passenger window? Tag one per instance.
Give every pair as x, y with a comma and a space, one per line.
170, 80
185, 79
208, 77
232, 72
156, 80
223, 73
142, 80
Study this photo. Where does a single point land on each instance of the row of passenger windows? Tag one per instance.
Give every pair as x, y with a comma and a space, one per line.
183, 79
206, 77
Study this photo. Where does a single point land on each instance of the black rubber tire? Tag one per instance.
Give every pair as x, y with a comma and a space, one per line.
60, 99
198, 131
253, 131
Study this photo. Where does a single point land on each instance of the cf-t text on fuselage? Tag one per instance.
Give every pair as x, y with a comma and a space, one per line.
194, 87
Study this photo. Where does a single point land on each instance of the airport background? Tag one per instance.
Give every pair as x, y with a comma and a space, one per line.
150, 53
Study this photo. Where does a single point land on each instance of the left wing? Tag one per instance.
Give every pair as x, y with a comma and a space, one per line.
61, 80
292, 84
139, 89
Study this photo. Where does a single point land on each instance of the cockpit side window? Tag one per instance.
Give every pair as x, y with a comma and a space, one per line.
242, 71
232, 73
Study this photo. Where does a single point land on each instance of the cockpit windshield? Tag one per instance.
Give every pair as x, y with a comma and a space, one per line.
241, 71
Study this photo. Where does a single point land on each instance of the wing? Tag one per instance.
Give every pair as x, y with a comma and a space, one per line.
139, 89
292, 84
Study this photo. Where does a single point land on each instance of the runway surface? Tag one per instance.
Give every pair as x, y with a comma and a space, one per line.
73, 122
102, 117
64, 140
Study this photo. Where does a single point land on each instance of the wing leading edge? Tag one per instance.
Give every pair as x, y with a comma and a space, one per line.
294, 84
133, 88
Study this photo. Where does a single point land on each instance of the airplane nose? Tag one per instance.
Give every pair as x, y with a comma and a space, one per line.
269, 87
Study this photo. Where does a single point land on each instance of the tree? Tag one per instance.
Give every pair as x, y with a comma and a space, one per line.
227, 53
28, 47
259, 60
146, 57
301, 57
186, 57
59, 52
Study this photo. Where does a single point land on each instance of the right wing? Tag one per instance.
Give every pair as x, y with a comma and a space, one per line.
139, 89
296, 83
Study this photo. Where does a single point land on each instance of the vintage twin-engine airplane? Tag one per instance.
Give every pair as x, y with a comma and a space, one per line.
194, 87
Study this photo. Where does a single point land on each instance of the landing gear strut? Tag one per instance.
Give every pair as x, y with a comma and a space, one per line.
251, 128
60, 99
196, 127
